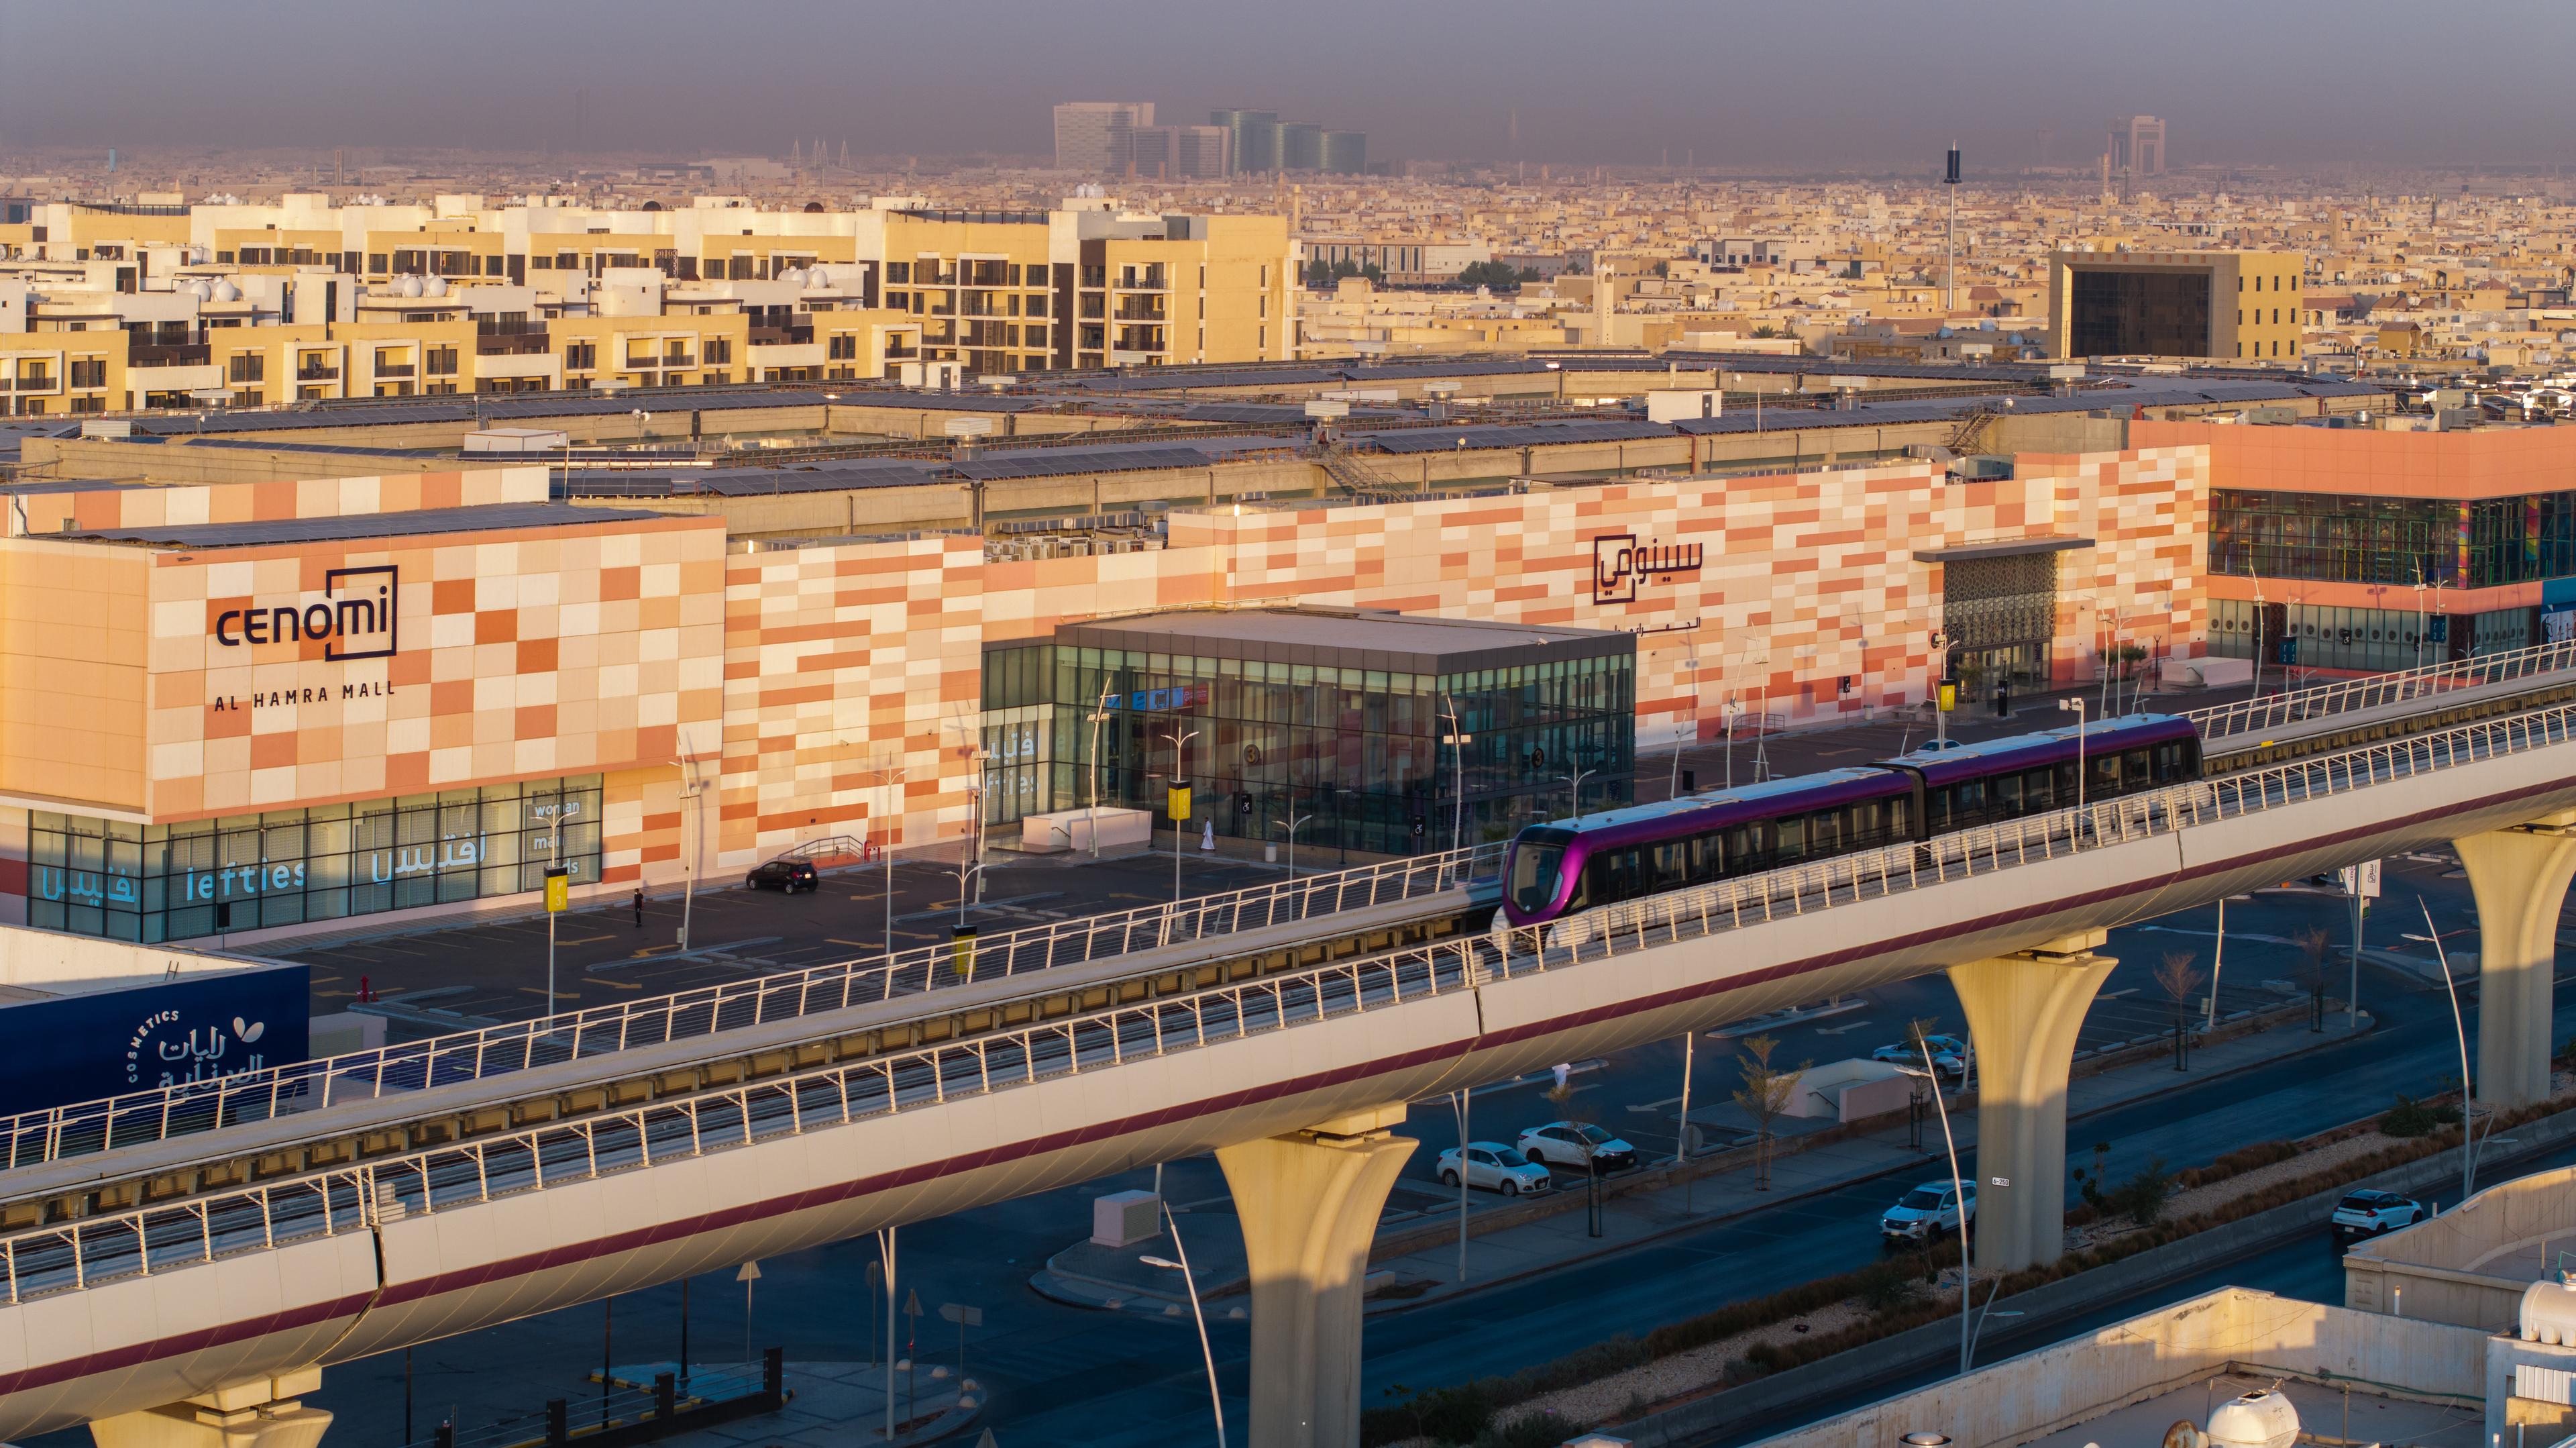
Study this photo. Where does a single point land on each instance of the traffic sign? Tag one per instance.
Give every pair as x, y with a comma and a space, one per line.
2366, 885
961, 1314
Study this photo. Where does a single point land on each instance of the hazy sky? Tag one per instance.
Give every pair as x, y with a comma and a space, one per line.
1783, 83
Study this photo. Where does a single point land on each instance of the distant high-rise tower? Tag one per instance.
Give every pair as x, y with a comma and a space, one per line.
2137, 146
1255, 146
1099, 136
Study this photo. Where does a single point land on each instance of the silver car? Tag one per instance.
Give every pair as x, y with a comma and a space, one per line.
1495, 1168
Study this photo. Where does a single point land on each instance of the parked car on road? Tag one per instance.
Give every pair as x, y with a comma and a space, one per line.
1570, 1144
1927, 1212
1495, 1168
787, 875
1949, 1054
2369, 1213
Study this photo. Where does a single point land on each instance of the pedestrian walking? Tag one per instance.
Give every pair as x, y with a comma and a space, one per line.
639, 907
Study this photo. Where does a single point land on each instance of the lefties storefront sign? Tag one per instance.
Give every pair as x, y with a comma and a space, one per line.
355, 616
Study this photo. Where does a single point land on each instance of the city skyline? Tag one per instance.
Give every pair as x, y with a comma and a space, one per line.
1818, 88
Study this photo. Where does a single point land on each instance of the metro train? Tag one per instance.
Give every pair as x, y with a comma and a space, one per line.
1560, 869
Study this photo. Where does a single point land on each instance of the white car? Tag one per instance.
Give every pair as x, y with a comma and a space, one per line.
1927, 1212
2368, 1213
1496, 1168
1949, 1054
1576, 1145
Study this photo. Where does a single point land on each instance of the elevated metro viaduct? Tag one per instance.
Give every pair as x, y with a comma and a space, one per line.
197, 1321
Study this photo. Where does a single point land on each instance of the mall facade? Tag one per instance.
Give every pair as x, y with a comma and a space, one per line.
249, 710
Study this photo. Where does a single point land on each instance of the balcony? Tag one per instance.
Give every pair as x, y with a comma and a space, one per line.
510, 344
1149, 280
30, 381
402, 370
781, 336
1141, 309
317, 374
185, 354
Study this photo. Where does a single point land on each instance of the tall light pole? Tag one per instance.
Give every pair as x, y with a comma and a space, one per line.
1216, 1403
1950, 238
1457, 739
1097, 716
690, 788
1180, 743
2468, 1102
1673, 784
893, 775
1958, 1194
1294, 820
1574, 788
2077, 704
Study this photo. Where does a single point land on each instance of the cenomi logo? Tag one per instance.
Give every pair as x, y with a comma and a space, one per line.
355, 617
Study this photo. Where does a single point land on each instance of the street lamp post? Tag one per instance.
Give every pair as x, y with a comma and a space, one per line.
1574, 783
1457, 739
1673, 784
894, 778
1180, 743
1097, 717
2077, 705
1294, 820
690, 788
1216, 1403
1958, 1195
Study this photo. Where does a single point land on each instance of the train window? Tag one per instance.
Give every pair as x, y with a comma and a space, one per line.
1936, 808
1900, 818
1738, 852
2038, 789
1792, 836
2134, 773
1825, 832
2104, 772
1969, 800
2172, 763
2008, 796
1869, 825
1534, 875
1671, 866
1704, 858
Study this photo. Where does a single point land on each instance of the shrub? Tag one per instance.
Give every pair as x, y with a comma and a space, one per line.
2142, 1197
2410, 1117
1888, 1286
1538, 1430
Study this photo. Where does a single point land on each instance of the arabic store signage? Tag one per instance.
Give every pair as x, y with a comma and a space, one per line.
196, 1029
1620, 564
117, 889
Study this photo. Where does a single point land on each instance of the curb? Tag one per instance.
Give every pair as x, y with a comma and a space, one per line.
1844, 1378
1574, 1199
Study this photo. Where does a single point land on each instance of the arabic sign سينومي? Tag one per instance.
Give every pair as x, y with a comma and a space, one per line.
192, 1030
1620, 563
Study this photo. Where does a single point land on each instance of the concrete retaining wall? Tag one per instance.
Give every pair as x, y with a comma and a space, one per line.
1846, 1375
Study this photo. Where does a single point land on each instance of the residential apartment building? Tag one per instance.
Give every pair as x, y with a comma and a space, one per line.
107, 309
2217, 304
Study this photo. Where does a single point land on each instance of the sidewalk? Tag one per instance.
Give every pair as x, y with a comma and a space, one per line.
1416, 1257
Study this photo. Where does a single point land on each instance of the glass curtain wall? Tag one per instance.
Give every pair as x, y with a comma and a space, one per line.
152, 883
1352, 759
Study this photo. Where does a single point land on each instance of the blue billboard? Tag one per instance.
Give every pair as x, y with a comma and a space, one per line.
188, 1031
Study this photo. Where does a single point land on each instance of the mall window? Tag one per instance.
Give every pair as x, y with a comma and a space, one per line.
1354, 751
152, 883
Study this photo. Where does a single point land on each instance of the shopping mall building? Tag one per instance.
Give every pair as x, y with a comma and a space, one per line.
242, 708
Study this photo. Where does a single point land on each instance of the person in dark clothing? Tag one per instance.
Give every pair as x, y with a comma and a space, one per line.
639, 907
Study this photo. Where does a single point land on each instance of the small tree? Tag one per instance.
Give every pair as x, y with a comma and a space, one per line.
1494, 275
2314, 946
2180, 979
2142, 1197
1766, 1097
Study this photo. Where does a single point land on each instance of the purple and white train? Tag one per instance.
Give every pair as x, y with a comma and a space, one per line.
1559, 869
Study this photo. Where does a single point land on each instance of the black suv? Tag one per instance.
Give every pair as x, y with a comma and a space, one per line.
788, 875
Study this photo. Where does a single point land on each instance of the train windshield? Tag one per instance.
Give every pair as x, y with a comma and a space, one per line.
1536, 864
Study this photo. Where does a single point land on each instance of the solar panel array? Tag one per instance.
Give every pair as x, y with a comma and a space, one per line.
1499, 435
1060, 462
749, 482
363, 525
